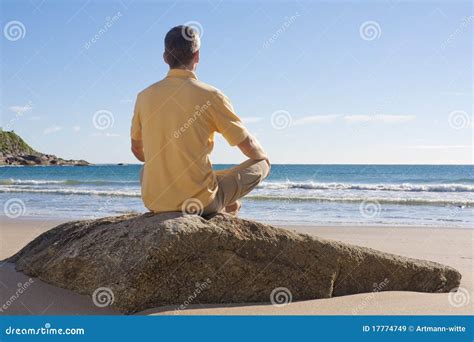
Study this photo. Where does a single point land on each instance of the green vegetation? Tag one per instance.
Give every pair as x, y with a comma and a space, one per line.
11, 143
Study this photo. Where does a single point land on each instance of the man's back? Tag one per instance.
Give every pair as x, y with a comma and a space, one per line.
176, 119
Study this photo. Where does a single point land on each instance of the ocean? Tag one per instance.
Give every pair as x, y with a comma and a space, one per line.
391, 195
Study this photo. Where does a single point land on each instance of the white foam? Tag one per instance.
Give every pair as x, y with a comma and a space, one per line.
454, 187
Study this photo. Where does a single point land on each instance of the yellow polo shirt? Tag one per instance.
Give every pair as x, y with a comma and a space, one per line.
176, 119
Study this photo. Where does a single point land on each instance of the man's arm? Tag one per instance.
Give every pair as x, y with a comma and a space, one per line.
231, 127
253, 150
137, 150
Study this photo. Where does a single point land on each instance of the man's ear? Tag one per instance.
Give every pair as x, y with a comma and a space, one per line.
165, 55
196, 57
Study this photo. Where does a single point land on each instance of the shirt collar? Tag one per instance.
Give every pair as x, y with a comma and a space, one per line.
181, 73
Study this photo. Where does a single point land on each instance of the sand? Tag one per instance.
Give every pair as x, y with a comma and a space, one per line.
450, 246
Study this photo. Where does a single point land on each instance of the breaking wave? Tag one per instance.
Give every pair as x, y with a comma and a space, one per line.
452, 187
66, 182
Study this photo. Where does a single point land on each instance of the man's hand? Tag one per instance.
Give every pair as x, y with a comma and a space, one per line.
137, 150
253, 150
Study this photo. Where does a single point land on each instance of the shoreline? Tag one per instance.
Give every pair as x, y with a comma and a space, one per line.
449, 246
293, 195
286, 225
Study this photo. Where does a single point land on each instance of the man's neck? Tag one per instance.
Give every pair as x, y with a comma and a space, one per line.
189, 68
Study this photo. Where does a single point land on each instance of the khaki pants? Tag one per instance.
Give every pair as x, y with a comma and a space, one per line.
237, 182
234, 183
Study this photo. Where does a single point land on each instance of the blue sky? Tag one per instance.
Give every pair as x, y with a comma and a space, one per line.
316, 82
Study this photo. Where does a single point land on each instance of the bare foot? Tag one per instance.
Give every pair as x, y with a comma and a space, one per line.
233, 209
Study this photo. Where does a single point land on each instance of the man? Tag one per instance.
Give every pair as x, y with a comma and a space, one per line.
173, 131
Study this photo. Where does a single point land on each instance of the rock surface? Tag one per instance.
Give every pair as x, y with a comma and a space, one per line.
38, 159
135, 262
15, 151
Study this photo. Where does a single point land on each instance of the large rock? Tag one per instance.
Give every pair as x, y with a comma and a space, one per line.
153, 260
15, 151
39, 159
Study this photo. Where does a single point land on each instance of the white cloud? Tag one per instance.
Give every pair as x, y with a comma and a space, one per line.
76, 128
453, 93
315, 119
20, 110
357, 118
52, 129
439, 147
389, 119
105, 134
353, 119
251, 119
394, 118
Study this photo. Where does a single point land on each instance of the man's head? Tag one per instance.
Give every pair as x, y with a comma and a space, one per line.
182, 45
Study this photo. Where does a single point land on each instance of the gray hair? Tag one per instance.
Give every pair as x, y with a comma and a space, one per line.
181, 44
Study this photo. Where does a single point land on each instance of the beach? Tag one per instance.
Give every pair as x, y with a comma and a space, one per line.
446, 245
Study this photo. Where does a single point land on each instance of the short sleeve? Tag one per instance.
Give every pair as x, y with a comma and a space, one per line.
136, 129
226, 121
